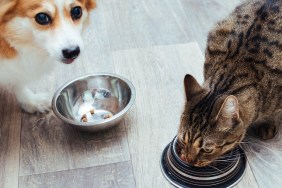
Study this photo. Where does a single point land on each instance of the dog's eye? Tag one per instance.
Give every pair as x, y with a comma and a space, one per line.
42, 19
76, 13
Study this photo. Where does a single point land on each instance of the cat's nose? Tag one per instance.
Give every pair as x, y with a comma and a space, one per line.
191, 161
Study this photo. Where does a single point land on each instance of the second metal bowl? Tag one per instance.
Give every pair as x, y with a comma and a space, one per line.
225, 173
94, 102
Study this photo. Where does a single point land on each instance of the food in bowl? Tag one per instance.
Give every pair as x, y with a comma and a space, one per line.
84, 119
103, 98
106, 116
96, 117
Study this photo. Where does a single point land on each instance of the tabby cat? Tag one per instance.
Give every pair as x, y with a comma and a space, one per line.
243, 83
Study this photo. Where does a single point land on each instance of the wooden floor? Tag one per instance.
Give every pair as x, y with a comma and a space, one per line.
153, 43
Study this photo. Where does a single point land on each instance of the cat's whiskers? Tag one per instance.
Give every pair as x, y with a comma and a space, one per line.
246, 142
215, 168
225, 160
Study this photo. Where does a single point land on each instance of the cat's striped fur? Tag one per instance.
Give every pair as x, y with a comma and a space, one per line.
243, 83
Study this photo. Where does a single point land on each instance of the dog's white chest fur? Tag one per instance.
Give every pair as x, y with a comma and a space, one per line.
26, 68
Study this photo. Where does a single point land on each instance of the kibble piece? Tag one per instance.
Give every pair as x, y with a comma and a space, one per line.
92, 111
84, 119
106, 116
83, 116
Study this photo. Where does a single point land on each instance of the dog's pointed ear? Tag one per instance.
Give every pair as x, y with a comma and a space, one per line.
5, 7
90, 4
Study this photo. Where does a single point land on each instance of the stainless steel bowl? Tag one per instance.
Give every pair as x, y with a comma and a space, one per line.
226, 172
109, 95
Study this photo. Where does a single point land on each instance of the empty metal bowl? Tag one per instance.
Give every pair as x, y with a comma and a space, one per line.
94, 102
227, 172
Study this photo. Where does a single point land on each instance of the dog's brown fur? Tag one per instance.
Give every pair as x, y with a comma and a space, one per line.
35, 35
12, 8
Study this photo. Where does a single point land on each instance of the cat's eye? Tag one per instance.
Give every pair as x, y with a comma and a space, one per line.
76, 13
208, 150
43, 18
222, 144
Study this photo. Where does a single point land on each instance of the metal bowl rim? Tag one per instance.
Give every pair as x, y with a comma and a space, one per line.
176, 184
102, 122
175, 141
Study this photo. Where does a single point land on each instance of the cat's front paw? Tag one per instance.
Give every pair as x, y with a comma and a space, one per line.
266, 131
37, 103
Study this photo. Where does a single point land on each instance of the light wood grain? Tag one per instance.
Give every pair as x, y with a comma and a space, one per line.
135, 24
248, 179
157, 73
10, 126
118, 175
120, 39
50, 145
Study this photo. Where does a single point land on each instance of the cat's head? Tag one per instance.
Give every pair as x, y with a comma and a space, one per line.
210, 124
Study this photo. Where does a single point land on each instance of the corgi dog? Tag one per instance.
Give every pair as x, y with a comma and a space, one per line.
34, 36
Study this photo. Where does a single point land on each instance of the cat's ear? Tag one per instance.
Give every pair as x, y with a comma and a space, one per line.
228, 116
192, 87
230, 108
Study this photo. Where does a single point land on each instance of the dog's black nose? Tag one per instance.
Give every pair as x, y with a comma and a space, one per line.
71, 53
